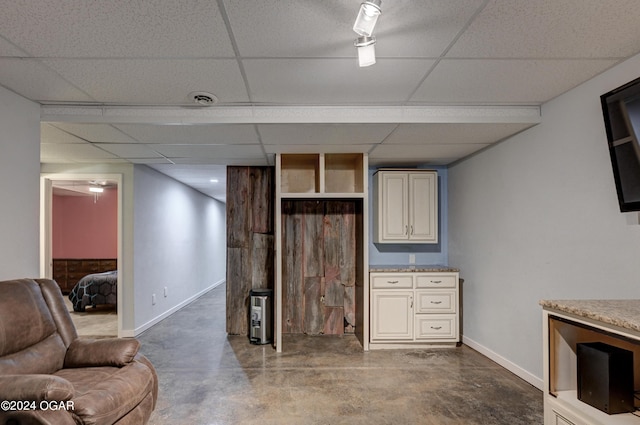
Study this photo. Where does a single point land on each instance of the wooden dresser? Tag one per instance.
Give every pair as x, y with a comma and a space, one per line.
68, 271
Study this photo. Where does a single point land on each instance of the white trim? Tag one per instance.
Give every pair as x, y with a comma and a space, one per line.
156, 320
355, 114
507, 364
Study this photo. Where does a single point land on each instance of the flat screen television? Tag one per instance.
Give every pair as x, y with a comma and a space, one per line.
621, 109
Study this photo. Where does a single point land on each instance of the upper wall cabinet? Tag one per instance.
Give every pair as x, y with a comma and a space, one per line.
406, 206
321, 175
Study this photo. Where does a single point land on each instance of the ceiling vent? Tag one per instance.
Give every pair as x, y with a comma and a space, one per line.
202, 98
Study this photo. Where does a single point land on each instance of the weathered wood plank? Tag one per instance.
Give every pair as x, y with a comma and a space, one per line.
333, 293
238, 287
349, 309
262, 274
292, 271
313, 308
347, 242
312, 212
334, 321
261, 204
238, 207
332, 237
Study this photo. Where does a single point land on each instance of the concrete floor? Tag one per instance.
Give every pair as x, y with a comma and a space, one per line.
207, 377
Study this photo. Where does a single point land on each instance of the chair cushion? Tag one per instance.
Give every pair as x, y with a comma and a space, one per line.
104, 394
86, 352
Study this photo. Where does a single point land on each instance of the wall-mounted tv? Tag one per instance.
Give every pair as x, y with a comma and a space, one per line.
621, 109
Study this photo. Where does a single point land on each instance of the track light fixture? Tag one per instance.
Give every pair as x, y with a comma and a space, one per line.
367, 17
366, 51
365, 23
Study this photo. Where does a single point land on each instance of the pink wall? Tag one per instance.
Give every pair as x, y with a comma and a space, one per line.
84, 229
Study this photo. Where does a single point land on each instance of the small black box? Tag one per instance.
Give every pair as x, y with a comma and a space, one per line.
605, 377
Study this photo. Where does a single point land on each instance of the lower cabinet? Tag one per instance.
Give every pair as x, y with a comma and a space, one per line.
413, 308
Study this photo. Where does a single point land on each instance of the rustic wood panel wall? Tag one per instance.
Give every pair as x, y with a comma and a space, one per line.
250, 194
319, 266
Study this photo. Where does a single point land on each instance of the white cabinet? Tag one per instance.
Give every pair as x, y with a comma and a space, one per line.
414, 308
394, 316
406, 206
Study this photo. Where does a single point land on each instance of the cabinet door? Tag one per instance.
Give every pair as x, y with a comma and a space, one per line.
392, 315
423, 209
393, 214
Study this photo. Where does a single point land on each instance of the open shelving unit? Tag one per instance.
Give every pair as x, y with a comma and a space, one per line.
321, 175
325, 177
561, 334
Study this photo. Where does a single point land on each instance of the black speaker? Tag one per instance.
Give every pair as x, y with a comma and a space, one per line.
605, 377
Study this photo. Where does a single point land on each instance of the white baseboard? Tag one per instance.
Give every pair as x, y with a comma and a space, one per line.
150, 323
507, 364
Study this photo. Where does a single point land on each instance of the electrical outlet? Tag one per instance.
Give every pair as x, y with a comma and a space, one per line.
412, 258
166, 292
153, 299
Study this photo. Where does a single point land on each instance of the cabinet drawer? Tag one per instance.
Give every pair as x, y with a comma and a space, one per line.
435, 327
430, 301
392, 281
436, 281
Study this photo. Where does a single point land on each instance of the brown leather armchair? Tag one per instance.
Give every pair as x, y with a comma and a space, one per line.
50, 376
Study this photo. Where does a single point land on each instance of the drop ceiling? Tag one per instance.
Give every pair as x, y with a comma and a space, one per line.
451, 78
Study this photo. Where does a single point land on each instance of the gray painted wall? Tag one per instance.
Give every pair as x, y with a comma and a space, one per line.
536, 217
19, 186
179, 242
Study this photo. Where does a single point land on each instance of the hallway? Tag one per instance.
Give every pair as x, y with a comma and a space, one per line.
207, 377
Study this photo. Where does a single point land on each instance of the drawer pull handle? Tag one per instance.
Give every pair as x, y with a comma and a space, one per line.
437, 328
436, 302
393, 282
436, 281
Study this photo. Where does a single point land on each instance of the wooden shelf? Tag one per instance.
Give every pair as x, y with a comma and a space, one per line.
311, 175
300, 173
343, 173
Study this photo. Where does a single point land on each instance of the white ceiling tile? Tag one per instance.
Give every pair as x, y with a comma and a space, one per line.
245, 161
8, 49
334, 81
410, 134
193, 134
129, 150
505, 81
33, 80
151, 28
153, 81
96, 133
74, 152
421, 28
51, 134
324, 134
421, 154
313, 28
209, 151
552, 29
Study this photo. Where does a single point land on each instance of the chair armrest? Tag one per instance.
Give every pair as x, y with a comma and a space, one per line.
85, 352
35, 388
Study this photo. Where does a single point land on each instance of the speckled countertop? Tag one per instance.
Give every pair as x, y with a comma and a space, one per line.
395, 268
621, 313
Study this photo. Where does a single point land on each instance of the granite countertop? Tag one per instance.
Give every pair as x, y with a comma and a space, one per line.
621, 313
395, 268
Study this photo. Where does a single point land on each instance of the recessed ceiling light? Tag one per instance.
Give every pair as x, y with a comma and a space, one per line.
203, 98
214, 180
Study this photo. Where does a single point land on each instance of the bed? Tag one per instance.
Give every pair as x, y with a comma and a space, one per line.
95, 289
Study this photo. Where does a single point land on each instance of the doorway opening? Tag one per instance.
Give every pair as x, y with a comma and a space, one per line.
81, 246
